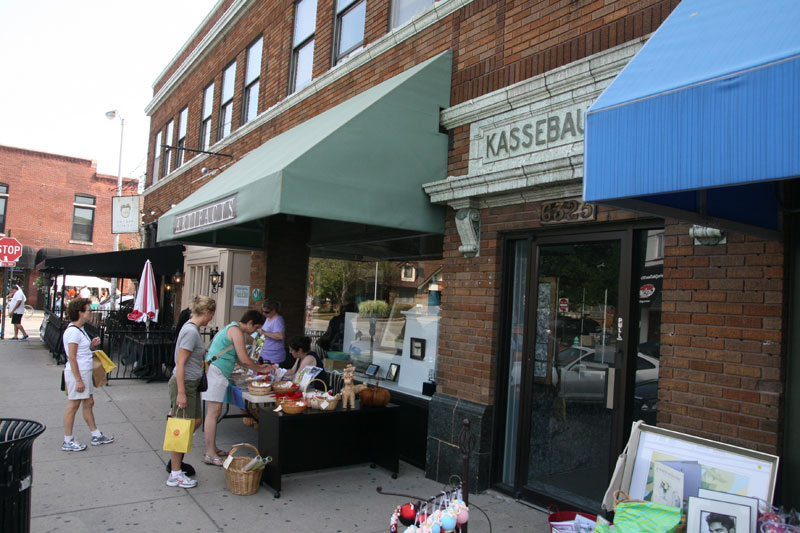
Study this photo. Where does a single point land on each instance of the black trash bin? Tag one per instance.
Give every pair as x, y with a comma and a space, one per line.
16, 472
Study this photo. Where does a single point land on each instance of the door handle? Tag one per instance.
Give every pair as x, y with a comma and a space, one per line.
611, 374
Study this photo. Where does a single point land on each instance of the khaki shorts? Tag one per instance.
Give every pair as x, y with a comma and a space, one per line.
193, 407
217, 385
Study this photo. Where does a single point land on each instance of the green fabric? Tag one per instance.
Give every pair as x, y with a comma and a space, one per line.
361, 162
636, 517
221, 342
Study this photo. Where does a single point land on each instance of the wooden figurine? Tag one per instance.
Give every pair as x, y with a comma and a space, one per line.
349, 390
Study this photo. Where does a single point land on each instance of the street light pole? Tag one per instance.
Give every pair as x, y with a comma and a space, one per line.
111, 115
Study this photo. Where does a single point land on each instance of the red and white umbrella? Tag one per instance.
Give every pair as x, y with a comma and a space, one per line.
145, 308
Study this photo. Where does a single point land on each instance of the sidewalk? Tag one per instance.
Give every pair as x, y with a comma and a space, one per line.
120, 486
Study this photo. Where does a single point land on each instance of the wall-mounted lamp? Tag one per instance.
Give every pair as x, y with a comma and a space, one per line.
705, 236
168, 287
177, 277
216, 279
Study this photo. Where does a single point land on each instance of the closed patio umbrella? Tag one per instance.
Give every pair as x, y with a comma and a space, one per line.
145, 308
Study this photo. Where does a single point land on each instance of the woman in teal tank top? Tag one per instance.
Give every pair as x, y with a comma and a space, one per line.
226, 349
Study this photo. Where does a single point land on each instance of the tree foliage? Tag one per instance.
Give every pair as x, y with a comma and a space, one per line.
335, 278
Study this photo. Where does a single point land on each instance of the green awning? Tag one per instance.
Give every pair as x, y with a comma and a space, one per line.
361, 163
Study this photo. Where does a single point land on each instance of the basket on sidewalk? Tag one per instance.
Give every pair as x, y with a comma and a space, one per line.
316, 402
240, 482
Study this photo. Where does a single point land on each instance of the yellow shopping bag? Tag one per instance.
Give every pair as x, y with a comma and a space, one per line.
178, 436
108, 364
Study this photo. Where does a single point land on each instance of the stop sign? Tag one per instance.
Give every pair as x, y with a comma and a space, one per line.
10, 249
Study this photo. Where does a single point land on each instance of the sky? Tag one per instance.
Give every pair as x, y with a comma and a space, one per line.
65, 63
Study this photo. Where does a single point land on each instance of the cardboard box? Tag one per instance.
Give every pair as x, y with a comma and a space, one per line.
332, 364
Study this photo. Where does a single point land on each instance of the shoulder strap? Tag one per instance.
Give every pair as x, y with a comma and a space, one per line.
220, 354
79, 329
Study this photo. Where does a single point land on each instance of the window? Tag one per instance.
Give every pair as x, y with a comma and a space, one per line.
168, 151
157, 158
182, 119
251, 81
305, 21
408, 273
226, 98
83, 218
350, 18
3, 206
405, 10
205, 123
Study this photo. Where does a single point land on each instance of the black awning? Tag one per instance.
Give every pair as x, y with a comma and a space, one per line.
28, 258
166, 261
51, 253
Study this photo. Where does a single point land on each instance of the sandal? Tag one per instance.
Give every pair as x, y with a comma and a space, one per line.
222, 453
213, 461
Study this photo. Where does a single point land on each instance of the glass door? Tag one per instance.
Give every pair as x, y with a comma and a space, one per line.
576, 350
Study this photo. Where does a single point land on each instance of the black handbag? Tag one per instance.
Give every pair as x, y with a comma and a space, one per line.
203, 386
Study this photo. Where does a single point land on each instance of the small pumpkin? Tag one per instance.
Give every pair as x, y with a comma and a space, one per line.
375, 397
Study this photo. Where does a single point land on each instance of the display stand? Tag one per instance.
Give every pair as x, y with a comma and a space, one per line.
324, 439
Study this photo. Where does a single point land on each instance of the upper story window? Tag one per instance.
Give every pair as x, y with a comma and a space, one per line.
83, 217
408, 273
183, 118
3, 206
168, 152
226, 100
205, 121
305, 22
252, 75
350, 19
157, 158
405, 10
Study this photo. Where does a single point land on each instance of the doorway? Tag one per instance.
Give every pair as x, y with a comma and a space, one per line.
570, 387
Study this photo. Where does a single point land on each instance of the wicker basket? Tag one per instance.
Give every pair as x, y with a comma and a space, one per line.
294, 407
258, 391
240, 482
316, 403
283, 387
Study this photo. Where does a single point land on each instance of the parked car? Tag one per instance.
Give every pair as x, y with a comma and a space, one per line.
580, 372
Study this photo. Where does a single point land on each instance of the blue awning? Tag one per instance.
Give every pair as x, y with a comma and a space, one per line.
705, 120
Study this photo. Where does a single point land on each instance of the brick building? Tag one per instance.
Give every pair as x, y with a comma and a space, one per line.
561, 321
54, 205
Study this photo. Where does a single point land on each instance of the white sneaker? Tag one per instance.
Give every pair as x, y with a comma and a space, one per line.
181, 480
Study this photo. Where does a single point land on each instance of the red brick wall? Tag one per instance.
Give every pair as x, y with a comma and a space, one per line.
722, 339
42, 188
493, 45
39, 212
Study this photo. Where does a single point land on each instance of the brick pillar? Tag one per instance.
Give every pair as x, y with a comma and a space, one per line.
285, 268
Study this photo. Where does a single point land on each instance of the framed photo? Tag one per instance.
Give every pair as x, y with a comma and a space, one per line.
418, 349
752, 503
712, 516
712, 465
371, 370
391, 375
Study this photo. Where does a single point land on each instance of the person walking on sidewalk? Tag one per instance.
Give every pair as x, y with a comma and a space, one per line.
190, 351
78, 376
16, 307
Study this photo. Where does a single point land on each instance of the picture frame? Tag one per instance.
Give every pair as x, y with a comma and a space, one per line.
371, 370
753, 473
707, 516
752, 503
391, 374
417, 349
